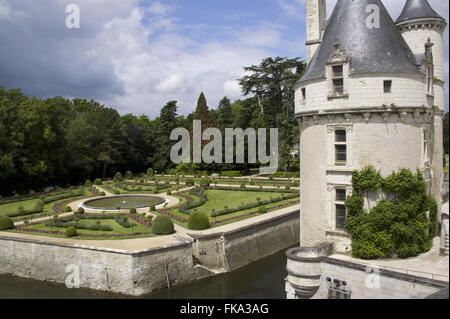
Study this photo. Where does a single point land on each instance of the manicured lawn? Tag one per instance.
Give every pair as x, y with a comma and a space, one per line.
30, 204
218, 199
243, 212
117, 229
14, 207
118, 232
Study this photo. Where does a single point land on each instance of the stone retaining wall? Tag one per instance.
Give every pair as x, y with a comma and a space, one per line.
241, 246
140, 272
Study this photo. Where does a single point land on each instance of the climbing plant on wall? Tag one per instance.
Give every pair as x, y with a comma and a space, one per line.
398, 225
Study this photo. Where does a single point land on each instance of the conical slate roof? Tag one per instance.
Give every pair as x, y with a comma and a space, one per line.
371, 50
416, 9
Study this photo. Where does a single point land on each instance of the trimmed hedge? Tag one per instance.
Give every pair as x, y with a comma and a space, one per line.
163, 225
98, 181
122, 221
231, 173
6, 223
190, 182
198, 221
187, 208
71, 232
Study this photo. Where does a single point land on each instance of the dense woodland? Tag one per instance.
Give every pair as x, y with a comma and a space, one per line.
60, 142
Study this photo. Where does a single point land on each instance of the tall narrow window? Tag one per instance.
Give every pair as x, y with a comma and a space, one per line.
426, 150
304, 93
338, 80
341, 210
387, 86
340, 147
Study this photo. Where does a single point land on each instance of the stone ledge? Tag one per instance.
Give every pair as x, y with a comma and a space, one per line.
92, 248
286, 216
387, 273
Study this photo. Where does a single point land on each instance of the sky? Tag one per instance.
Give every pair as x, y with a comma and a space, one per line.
136, 55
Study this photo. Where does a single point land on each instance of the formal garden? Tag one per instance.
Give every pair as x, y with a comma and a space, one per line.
135, 206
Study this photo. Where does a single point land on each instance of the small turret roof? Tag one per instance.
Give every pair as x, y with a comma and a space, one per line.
371, 50
417, 9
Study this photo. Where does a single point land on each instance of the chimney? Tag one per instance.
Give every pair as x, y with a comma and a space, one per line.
316, 12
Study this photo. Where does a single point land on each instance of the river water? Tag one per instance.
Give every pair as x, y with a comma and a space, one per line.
263, 279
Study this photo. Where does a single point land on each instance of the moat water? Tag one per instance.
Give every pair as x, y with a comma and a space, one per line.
263, 279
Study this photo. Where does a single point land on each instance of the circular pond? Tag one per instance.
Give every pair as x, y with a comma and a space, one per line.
123, 202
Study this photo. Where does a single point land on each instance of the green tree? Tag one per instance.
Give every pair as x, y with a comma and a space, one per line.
166, 123
225, 114
272, 83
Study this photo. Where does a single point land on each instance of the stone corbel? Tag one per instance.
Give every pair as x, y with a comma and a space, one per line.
366, 117
386, 116
417, 117
316, 119
331, 118
348, 117
402, 115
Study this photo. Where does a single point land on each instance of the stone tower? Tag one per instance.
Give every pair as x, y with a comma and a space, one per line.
316, 12
372, 94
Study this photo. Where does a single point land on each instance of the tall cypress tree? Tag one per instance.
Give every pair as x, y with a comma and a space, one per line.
202, 114
167, 123
225, 114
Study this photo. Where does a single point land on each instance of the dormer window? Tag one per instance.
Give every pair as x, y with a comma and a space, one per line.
387, 86
338, 69
338, 80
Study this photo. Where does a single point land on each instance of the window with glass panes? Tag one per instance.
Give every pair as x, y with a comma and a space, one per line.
341, 210
340, 147
338, 80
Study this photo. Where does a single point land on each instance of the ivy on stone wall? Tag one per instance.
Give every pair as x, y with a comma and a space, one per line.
398, 225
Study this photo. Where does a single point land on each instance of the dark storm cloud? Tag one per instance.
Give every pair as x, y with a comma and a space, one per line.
44, 58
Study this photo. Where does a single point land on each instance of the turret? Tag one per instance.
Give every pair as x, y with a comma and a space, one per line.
315, 18
421, 27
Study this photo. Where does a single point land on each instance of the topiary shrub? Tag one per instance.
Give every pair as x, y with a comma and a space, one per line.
205, 182
68, 209
133, 211
152, 208
6, 223
98, 181
190, 182
150, 172
262, 210
71, 232
80, 211
128, 175
198, 221
88, 183
163, 225
118, 177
